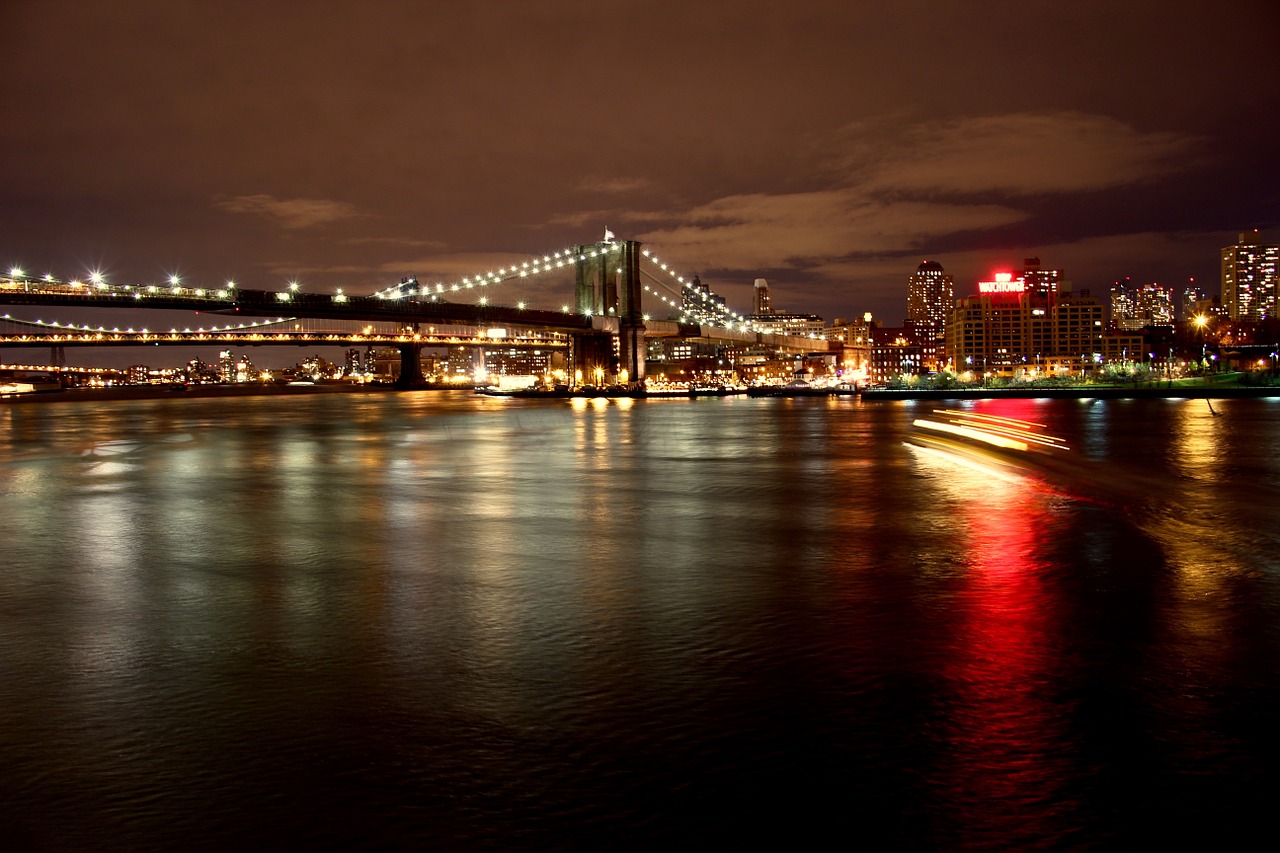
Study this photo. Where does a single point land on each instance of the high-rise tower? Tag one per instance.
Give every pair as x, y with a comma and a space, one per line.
930, 299
763, 302
930, 295
1249, 286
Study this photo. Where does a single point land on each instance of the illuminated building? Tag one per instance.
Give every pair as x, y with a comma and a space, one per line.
679, 360
699, 305
1249, 287
199, 372
1042, 282
895, 352
516, 361
1008, 329
1120, 348
1210, 307
1191, 296
316, 367
794, 325
354, 365
930, 298
855, 336
463, 361
772, 321
244, 370
763, 303
1135, 307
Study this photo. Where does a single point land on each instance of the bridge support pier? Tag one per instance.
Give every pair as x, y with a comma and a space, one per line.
410, 367
592, 358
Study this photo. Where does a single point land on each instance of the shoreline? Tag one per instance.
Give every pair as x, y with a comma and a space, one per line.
161, 392
1197, 392
156, 392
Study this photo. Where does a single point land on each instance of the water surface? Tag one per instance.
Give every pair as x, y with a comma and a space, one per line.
439, 619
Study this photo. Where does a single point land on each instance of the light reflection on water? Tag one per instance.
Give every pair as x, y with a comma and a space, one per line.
449, 619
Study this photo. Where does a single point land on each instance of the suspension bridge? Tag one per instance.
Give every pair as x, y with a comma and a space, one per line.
622, 295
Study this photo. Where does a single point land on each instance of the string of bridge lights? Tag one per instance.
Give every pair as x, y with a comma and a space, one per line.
534, 266
711, 312
97, 282
72, 327
138, 291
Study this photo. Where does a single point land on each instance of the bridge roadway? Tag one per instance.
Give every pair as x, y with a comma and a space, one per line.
412, 313
132, 338
265, 303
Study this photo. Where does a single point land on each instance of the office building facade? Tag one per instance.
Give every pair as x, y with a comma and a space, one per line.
1009, 329
1249, 286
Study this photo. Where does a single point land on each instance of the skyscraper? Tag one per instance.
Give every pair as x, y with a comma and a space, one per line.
763, 302
930, 299
1192, 295
1249, 286
930, 295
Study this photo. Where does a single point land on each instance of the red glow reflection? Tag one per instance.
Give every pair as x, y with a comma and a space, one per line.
1002, 721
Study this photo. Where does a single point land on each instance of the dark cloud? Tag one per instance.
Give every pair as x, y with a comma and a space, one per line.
1020, 154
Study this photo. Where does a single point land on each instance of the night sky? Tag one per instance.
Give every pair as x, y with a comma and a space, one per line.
826, 146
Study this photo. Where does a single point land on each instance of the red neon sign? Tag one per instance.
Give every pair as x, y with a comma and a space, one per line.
1004, 283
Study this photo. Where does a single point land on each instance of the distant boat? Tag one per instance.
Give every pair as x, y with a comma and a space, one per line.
18, 389
799, 388
717, 390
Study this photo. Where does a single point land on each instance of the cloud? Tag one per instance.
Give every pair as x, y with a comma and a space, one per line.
613, 185
1015, 154
899, 190
290, 213
760, 231
602, 217
396, 241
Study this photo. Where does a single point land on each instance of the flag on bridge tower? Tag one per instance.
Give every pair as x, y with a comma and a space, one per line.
608, 235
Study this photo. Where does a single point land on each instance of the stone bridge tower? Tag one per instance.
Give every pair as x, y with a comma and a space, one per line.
607, 286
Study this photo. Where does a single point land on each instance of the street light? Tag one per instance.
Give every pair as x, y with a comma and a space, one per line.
1200, 322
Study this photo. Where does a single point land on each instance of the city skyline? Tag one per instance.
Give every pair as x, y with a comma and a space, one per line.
928, 292
826, 149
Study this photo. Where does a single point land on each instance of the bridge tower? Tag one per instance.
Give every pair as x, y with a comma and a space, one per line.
607, 286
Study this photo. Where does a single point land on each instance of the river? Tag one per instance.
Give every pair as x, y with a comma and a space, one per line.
436, 619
